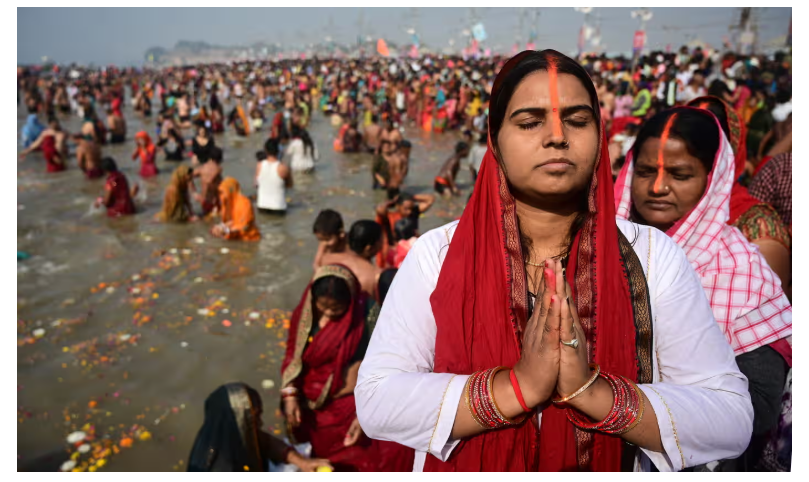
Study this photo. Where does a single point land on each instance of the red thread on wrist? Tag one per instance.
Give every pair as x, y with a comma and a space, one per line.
515, 384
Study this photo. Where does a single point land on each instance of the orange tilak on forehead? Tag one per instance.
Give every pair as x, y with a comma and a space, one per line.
553, 80
664, 138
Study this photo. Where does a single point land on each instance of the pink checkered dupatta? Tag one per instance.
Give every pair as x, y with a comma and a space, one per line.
745, 295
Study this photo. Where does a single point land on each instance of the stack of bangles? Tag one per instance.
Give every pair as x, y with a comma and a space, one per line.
627, 405
481, 403
289, 392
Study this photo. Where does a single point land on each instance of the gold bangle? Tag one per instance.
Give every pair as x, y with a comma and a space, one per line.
596, 370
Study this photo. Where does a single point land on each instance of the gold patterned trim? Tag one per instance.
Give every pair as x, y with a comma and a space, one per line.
641, 308
440, 407
673, 427
305, 323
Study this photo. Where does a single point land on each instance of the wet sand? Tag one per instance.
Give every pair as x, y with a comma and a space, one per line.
143, 320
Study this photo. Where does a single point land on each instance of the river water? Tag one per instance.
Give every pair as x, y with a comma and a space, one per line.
126, 325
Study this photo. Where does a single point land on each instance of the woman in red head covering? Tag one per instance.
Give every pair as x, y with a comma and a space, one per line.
145, 151
463, 367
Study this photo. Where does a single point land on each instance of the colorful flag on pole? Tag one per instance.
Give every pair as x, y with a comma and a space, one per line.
530, 46
382, 48
479, 32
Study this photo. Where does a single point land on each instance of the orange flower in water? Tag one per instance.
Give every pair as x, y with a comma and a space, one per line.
226, 323
93, 403
126, 442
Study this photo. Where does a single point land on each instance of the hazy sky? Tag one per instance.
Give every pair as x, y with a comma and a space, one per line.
122, 35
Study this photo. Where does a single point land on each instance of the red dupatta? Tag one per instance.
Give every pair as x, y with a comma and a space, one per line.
480, 306
316, 366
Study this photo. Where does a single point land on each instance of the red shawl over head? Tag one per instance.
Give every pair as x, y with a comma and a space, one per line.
740, 199
316, 367
480, 308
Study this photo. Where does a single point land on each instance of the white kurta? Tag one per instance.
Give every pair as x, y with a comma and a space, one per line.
700, 398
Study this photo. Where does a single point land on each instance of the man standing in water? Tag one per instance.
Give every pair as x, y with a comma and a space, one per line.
117, 126
88, 152
445, 181
372, 134
53, 142
210, 175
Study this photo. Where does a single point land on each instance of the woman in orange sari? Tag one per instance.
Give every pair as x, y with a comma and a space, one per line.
238, 218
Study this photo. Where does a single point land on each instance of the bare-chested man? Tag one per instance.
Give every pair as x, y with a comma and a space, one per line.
184, 111
117, 127
390, 135
364, 242
372, 135
210, 176
88, 152
445, 181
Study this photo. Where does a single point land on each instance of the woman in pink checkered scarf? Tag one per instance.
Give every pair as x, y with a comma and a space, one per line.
678, 178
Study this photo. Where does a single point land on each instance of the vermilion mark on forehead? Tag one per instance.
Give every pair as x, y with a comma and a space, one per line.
553, 76
664, 138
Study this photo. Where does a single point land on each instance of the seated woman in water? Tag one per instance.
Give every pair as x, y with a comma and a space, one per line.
483, 328
117, 196
236, 211
146, 152
231, 438
327, 341
678, 178
177, 199
758, 221
300, 153
201, 146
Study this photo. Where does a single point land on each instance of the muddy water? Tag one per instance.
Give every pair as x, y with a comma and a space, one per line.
126, 325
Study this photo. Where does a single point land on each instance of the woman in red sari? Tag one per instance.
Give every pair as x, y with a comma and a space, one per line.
327, 340
145, 151
482, 328
117, 197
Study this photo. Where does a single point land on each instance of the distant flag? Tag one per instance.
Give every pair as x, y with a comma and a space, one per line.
415, 40
382, 48
514, 49
488, 53
530, 46
414, 51
479, 32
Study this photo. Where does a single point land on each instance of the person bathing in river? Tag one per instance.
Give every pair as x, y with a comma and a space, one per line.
177, 200
53, 142
117, 196
407, 206
364, 242
445, 181
231, 438
330, 234
117, 126
236, 210
273, 178
210, 175
146, 153
88, 153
